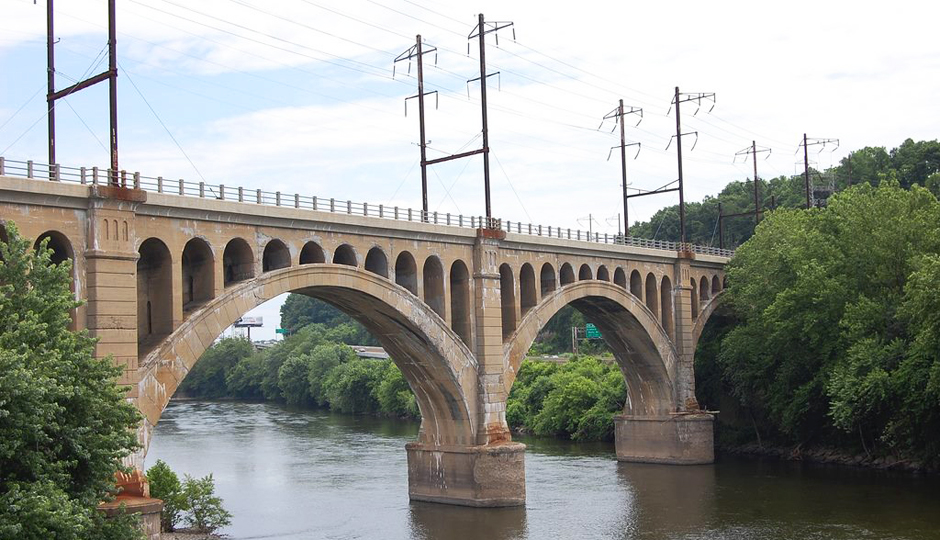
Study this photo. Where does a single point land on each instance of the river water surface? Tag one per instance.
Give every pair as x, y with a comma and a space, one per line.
311, 474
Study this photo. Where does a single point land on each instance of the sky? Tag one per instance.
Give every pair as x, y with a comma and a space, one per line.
300, 95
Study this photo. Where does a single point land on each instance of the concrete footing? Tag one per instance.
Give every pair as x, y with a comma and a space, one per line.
483, 476
682, 439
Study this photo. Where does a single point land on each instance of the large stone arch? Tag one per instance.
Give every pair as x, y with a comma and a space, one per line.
644, 352
707, 309
438, 366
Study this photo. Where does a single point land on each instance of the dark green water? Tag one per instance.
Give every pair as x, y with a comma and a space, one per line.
310, 474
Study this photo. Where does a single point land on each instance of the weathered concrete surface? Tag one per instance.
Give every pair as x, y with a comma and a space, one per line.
480, 476
682, 439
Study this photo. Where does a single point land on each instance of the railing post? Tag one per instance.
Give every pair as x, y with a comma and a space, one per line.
332, 204
460, 220
136, 180
277, 198
396, 213
409, 214
348, 206
258, 196
296, 200
381, 210
202, 190
159, 181
448, 218
56, 172
29, 169
221, 192
314, 202
182, 187
241, 194
435, 217
365, 209
82, 173
473, 222
1, 165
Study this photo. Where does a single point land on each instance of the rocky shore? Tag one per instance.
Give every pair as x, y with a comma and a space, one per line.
830, 456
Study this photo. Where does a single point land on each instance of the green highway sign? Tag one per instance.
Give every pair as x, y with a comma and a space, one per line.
282, 331
591, 331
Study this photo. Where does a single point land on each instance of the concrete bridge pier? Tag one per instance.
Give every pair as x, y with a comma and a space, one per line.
684, 436
490, 472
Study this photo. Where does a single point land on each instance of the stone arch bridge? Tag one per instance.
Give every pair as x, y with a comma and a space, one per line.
165, 267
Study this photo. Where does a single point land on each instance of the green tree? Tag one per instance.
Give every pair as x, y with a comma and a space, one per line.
351, 386
292, 379
166, 486
204, 510
322, 360
64, 424
394, 395
207, 378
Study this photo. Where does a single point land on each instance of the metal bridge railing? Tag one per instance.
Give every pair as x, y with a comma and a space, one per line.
185, 188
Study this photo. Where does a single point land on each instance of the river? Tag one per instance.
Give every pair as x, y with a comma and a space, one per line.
296, 474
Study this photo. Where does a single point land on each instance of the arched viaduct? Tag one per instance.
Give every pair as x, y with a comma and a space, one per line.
456, 305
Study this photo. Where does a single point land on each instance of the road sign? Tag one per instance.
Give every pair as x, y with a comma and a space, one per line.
591, 331
282, 331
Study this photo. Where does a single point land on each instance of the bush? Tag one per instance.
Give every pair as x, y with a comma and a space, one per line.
165, 485
204, 511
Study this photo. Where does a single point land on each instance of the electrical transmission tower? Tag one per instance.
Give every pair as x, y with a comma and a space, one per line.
110, 75
617, 115
805, 144
416, 51
753, 151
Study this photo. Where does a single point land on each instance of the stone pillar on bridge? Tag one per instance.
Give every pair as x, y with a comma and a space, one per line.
685, 435
488, 471
111, 281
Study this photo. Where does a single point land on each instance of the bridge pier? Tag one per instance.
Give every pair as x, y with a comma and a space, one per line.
678, 439
479, 476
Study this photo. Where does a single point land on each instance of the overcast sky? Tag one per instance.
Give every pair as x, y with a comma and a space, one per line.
298, 95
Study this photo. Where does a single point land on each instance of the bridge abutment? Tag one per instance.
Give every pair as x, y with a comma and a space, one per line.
482, 476
679, 439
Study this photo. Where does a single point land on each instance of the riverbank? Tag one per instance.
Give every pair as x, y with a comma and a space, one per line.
829, 456
186, 535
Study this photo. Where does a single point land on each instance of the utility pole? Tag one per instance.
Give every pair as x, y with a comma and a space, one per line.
416, 52
618, 114
752, 150
721, 229
480, 32
678, 99
110, 76
806, 143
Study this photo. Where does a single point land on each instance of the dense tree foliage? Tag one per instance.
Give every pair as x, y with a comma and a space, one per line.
576, 400
64, 423
909, 164
837, 322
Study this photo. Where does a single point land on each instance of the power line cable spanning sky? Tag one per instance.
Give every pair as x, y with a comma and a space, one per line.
300, 96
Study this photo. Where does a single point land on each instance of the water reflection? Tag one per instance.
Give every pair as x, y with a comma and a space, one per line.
431, 521
668, 501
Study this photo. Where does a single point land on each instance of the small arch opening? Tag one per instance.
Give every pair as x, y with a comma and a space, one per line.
276, 255
620, 277
59, 245
507, 298
603, 274
460, 300
406, 272
527, 288
377, 262
585, 273
345, 254
433, 274
154, 294
704, 289
198, 274
716, 285
547, 279
312, 253
238, 262
665, 293
636, 284
567, 274
652, 296
695, 299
